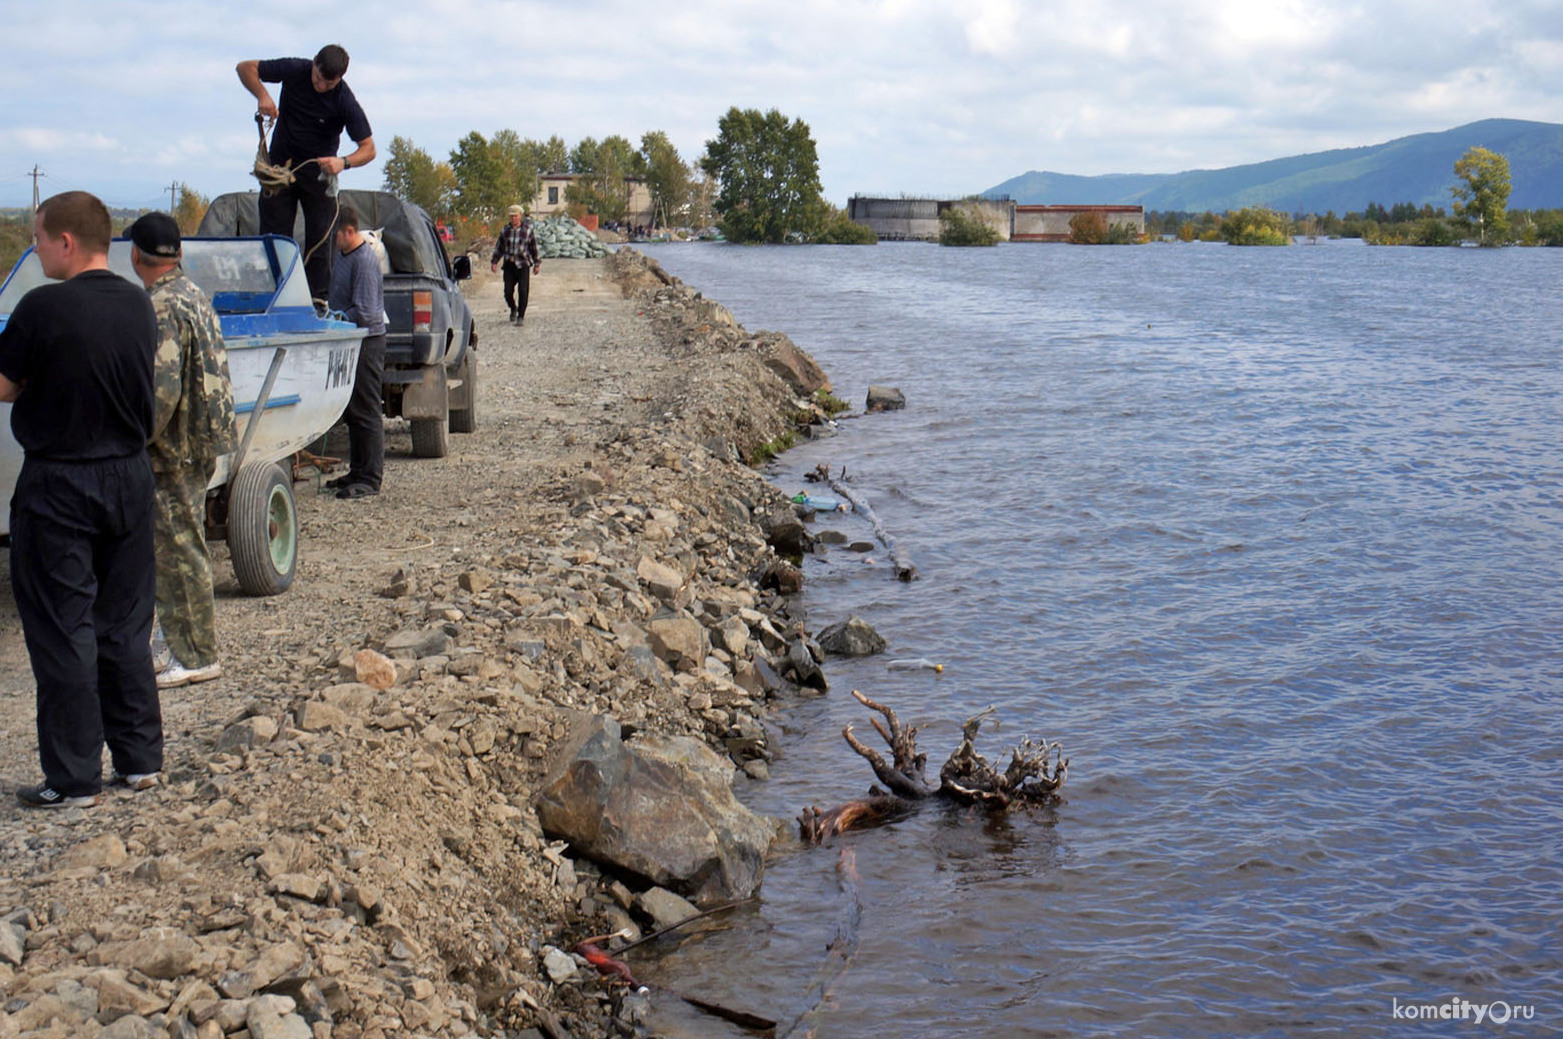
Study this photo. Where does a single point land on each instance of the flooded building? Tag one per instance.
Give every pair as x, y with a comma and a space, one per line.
917, 219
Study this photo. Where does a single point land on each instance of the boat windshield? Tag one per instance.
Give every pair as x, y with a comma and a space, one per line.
239, 274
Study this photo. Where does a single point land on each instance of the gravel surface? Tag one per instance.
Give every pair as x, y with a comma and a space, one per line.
334, 855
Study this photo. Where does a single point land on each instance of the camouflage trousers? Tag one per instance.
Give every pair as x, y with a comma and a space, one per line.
184, 566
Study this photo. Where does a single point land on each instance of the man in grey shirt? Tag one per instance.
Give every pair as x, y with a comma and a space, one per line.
358, 291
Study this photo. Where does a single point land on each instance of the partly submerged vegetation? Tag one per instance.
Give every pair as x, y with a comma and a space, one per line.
960, 226
1092, 228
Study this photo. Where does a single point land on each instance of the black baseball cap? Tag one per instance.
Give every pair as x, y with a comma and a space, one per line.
156, 235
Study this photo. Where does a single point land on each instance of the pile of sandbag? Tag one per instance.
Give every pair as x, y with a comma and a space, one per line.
560, 238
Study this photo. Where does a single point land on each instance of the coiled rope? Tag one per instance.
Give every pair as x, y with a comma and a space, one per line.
274, 178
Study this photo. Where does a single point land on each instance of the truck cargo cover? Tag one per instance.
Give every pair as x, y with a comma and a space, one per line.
409, 244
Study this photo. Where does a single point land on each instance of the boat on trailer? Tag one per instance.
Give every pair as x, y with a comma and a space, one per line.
292, 374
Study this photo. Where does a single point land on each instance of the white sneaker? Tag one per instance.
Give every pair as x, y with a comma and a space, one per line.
135, 780
176, 674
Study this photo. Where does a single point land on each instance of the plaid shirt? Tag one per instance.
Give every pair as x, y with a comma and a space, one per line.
517, 245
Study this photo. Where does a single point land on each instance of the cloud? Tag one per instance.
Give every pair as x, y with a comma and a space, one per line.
920, 96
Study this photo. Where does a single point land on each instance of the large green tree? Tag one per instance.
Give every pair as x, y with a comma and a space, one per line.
667, 178
767, 174
1483, 195
519, 160
553, 155
603, 168
412, 174
481, 191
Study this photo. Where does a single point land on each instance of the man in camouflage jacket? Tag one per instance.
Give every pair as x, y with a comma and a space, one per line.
193, 426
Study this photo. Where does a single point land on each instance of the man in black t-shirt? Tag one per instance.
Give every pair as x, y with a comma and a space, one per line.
316, 106
76, 358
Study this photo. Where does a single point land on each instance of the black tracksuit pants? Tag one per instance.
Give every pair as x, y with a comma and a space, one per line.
279, 212
518, 283
84, 576
365, 416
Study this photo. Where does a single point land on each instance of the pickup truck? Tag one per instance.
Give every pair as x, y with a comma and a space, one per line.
431, 363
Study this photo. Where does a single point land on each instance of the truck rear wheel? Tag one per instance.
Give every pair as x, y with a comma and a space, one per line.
464, 419
263, 529
430, 437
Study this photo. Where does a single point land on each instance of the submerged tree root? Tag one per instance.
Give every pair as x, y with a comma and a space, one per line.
1035, 772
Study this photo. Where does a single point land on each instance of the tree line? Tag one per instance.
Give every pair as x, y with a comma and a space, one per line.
483, 176
1479, 212
758, 179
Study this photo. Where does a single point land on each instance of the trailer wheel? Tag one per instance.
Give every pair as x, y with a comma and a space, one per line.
465, 420
262, 529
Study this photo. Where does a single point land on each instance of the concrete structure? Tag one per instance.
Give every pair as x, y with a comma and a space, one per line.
917, 219
897, 219
550, 198
1051, 223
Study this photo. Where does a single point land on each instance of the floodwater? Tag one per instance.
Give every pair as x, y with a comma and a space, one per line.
1270, 540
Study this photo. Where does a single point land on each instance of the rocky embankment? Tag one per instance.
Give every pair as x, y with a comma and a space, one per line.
347, 843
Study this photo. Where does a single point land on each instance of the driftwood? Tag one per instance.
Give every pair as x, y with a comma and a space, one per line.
1035, 772
616, 971
904, 570
838, 954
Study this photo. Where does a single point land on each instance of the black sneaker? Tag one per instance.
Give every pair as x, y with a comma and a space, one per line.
339, 482
512, 314
357, 490
45, 796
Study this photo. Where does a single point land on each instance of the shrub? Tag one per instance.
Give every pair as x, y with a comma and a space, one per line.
1088, 228
1256, 225
959, 227
1433, 231
841, 229
1549, 227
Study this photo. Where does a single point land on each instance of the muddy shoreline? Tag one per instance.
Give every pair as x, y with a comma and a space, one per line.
356, 863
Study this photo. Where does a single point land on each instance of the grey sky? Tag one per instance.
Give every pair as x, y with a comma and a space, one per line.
914, 96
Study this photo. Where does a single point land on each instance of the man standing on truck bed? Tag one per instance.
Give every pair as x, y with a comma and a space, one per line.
517, 244
317, 105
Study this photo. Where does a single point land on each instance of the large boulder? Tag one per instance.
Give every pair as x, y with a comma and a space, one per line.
796, 368
677, 638
853, 637
661, 807
884, 398
784, 529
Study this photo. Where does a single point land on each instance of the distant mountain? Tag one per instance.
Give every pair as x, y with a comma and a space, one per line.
1417, 169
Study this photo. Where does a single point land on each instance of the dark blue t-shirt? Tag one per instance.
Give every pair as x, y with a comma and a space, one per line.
309, 123
82, 351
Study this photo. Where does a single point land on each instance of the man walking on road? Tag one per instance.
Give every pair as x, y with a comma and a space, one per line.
76, 358
517, 245
358, 291
193, 426
316, 106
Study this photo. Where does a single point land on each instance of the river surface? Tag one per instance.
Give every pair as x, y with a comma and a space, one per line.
1271, 541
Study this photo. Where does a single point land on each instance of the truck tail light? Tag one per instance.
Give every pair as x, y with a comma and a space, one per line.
422, 311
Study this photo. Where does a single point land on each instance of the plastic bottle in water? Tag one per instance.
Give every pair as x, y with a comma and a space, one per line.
917, 664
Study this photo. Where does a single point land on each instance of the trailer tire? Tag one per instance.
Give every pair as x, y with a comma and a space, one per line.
430, 436
465, 420
263, 529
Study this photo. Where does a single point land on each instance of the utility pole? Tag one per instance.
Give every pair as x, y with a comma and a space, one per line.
35, 174
172, 191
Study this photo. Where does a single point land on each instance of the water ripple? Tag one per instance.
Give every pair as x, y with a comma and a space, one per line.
1273, 541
